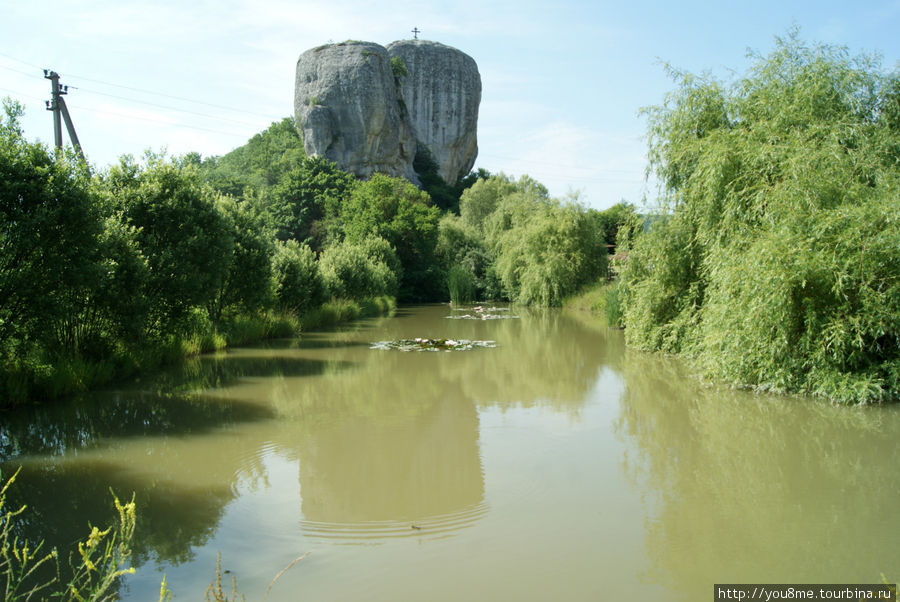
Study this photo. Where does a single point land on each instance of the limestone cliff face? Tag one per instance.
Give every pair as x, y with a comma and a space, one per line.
345, 101
350, 108
442, 92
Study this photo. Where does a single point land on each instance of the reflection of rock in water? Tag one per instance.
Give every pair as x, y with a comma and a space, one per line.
361, 477
758, 488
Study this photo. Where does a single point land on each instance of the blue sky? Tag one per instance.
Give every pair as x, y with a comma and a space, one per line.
562, 81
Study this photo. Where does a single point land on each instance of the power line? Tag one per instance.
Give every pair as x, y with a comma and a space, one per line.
153, 104
145, 91
150, 119
554, 175
141, 90
544, 163
12, 58
19, 71
21, 95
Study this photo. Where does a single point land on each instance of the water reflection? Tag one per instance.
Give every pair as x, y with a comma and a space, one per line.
755, 489
399, 475
386, 444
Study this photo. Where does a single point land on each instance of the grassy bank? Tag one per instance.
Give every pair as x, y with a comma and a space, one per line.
39, 377
603, 300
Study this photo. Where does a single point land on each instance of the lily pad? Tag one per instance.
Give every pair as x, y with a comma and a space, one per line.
422, 344
483, 313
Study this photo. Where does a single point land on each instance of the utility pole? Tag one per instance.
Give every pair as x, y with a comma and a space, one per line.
58, 105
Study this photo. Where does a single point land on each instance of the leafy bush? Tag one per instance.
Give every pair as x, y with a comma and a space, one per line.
187, 242
297, 283
461, 246
359, 270
398, 68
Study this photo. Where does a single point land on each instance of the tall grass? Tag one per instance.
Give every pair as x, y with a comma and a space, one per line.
338, 311
461, 283
603, 300
96, 563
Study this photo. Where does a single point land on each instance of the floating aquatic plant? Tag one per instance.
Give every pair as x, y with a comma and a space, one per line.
484, 313
422, 344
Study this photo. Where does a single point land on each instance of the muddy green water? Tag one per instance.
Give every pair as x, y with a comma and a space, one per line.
558, 465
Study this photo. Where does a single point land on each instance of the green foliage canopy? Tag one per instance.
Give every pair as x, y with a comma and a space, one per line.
297, 283
306, 203
257, 165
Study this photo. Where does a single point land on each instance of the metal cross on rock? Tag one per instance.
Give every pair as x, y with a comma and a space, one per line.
416, 31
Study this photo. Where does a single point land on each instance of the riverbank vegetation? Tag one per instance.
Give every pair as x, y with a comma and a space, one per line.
107, 275
775, 263
112, 273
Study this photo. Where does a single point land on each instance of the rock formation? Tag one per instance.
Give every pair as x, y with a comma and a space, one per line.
441, 92
352, 110
345, 101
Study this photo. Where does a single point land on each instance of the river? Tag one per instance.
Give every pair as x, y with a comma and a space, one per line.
556, 464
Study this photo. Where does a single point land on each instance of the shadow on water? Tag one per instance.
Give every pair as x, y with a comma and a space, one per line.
166, 404
758, 488
228, 368
91, 420
64, 499
322, 341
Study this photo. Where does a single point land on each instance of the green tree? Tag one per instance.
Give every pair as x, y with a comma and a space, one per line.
610, 220
187, 242
51, 228
245, 286
549, 254
461, 249
305, 204
776, 265
259, 164
402, 214
442, 194
539, 249
480, 200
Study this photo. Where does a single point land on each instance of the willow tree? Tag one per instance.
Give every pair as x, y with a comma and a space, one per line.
776, 263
